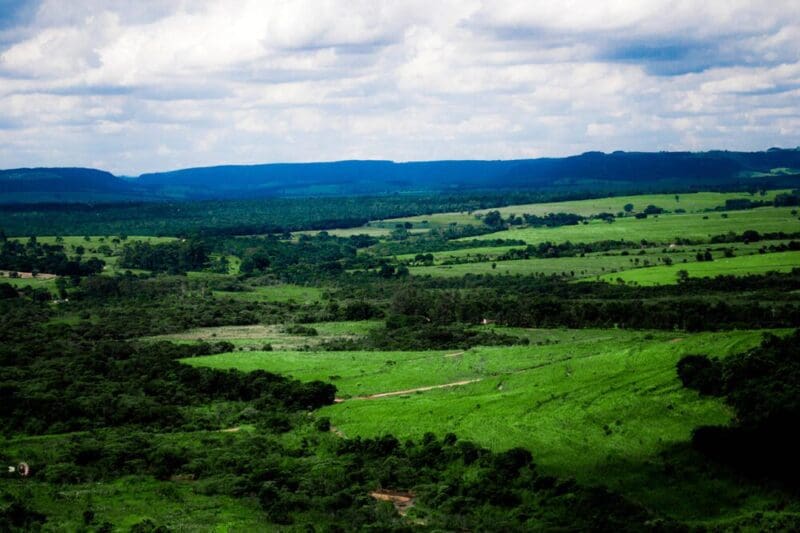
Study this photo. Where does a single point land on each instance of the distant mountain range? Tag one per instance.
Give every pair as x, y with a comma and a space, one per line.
588, 171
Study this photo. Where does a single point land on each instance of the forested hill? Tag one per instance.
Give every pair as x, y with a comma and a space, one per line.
592, 171
67, 185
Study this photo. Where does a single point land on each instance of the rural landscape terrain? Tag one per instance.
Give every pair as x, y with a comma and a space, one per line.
598, 358
399, 266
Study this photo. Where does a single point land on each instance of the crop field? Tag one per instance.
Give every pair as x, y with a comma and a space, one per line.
732, 266
663, 228
580, 400
691, 203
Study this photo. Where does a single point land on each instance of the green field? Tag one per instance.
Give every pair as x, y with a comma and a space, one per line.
603, 264
589, 266
663, 228
285, 292
693, 202
583, 401
34, 283
256, 336
733, 266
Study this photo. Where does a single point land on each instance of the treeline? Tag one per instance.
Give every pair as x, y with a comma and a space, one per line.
251, 217
73, 385
171, 257
763, 388
455, 485
33, 256
540, 308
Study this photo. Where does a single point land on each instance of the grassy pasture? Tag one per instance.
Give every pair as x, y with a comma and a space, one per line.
662, 229
591, 265
583, 401
588, 266
276, 293
691, 202
732, 266
249, 337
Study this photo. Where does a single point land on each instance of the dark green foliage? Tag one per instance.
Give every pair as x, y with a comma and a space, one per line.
701, 373
172, 257
46, 258
15, 515
763, 387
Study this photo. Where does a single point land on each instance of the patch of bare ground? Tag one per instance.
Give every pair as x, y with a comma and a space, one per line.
26, 275
418, 389
402, 501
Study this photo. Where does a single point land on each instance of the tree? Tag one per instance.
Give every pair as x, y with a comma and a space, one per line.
683, 276
493, 219
628, 208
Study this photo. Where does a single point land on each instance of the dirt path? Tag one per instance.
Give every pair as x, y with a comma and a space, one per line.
402, 501
418, 389
454, 354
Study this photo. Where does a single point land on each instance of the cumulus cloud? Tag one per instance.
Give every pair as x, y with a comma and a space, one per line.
151, 85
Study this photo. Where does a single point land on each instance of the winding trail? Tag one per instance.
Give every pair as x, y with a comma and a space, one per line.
409, 391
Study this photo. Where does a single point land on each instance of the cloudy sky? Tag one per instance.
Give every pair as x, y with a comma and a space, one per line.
154, 85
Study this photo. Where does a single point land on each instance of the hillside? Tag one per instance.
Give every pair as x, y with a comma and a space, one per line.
592, 172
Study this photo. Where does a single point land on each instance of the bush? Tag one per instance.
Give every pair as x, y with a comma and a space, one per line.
700, 373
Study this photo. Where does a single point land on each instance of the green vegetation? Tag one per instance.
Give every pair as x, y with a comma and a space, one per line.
689, 202
664, 228
617, 364
284, 292
733, 266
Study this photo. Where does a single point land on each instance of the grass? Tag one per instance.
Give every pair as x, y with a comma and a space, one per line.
583, 401
129, 500
733, 266
663, 229
694, 202
256, 336
604, 264
276, 293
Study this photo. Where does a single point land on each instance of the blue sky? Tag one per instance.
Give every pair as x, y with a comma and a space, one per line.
153, 85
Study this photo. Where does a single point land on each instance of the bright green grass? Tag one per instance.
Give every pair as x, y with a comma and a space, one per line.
584, 402
693, 202
732, 266
276, 293
663, 229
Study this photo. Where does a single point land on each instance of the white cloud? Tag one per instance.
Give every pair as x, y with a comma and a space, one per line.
148, 85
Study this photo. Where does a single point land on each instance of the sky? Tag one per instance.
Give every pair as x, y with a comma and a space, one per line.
151, 85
